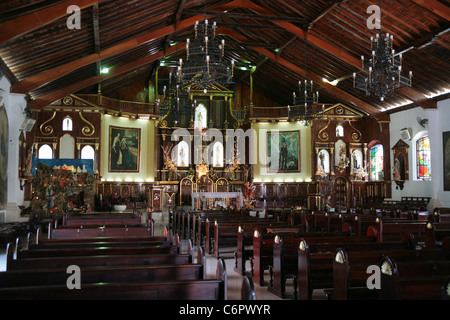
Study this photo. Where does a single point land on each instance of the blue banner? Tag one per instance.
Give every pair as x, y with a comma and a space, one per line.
83, 164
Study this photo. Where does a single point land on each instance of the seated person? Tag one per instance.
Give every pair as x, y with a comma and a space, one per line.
328, 206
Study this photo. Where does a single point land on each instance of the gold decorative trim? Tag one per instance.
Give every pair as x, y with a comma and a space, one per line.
47, 130
86, 130
356, 136
163, 120
324, 134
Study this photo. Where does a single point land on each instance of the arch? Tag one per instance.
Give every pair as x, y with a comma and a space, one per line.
45, 152
201, 116
217, 154
87, 152
67, 124
422, 156
339, 131
67, 147
323, 161
376, 162
182, 154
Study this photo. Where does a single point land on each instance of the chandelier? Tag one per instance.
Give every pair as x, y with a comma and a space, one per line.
306, 106
204, 65
306, 103
383, 70
176, 101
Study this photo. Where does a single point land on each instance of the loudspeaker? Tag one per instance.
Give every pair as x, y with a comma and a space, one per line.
28, 124
406, 135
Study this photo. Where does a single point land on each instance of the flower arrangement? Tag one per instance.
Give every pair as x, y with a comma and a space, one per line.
321, 173
220, 204
249, 195
360, 174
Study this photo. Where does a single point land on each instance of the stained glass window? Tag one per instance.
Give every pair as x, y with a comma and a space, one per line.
376, 162
423, 155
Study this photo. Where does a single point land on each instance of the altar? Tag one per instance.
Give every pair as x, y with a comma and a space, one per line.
207, 200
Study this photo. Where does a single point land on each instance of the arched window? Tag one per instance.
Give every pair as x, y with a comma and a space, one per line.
182, 154
67, 124
217, 154
423, 158
323, 161
87, 153
45, 152
339, 131
200, 117
376, 163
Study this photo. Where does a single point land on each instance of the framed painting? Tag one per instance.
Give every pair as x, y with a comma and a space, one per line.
446, 154
283, 151
124, 149
4, 143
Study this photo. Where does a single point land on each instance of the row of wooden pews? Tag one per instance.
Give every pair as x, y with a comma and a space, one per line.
304, 246
121, 262
319, 262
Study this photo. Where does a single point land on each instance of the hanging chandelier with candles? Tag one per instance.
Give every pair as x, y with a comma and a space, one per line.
205, 65
306, 106
383, 70
176, 100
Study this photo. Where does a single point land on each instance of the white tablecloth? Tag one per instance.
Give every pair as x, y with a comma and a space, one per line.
218, 195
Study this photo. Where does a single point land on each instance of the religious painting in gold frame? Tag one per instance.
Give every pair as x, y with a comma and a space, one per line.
283, 151
124, 149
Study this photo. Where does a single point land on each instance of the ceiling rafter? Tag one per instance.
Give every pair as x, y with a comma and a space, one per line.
436, 7
58, 94
36, 81
324, 13
15, 28
418, 98
340, 94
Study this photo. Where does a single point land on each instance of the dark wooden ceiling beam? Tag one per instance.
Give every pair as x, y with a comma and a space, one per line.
324, 13
332, 90
36, 81
247, 16
436, 7
15, 28
47, 99
96, 31
419, 98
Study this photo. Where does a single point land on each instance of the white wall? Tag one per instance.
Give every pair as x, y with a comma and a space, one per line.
260, 173
15, 105
147, 149
438, 122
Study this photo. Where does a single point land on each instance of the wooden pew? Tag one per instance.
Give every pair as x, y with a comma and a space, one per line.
95, 274
248, 289
436, 237
101, 219
423, 280
210, 289
261, 253
100, 232
245, 243
94, 260
315, 257
350, 269
225, 233
105, 249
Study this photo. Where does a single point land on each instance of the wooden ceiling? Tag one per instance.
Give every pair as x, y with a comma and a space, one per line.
47, 60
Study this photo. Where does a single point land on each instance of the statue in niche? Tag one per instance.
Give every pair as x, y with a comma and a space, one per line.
399, 171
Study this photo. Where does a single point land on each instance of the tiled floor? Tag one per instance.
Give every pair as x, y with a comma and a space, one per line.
234, 280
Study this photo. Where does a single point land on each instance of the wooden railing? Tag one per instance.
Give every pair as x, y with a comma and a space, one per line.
120, 105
